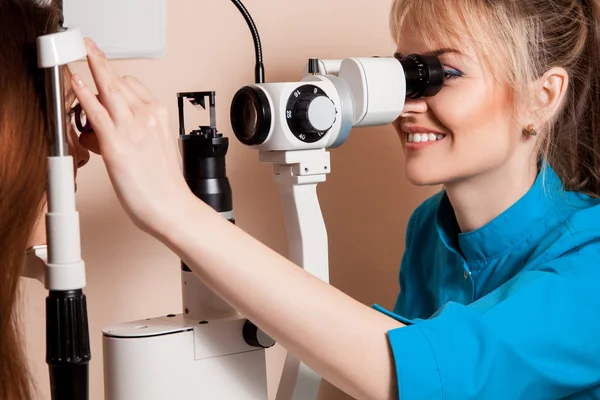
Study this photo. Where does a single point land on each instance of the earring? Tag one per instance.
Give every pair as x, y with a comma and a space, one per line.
530, 130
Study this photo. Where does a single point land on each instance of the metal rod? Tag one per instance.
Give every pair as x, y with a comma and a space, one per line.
56, 107
212, 107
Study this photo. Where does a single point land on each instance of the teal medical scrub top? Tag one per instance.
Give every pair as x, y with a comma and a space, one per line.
509, 311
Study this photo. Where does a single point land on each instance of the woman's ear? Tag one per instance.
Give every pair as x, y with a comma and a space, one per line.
551, 89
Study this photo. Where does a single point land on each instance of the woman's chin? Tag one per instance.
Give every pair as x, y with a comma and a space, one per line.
423, 176
38, 236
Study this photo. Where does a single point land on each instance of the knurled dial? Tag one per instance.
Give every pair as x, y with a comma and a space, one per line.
310, 113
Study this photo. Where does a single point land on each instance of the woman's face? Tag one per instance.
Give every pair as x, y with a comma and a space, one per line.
80, 157
466, 130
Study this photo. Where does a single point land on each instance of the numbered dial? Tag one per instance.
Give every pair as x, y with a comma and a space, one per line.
310, 113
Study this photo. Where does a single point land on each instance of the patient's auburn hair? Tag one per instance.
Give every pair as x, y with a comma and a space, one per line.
23, 151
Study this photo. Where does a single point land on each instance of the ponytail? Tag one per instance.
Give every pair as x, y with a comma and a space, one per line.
573, 145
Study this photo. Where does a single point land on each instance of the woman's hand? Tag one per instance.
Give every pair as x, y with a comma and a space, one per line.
132, 134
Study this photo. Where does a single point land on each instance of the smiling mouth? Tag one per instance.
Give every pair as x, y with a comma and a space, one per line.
424, 137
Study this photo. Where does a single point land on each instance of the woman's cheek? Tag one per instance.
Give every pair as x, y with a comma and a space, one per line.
38, 235
465, 107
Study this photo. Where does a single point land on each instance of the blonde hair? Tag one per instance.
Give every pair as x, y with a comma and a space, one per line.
517, 41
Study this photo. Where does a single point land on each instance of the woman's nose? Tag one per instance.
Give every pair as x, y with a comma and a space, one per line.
83, 155
414, 106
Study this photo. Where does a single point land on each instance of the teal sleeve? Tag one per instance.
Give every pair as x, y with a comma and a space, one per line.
535, 337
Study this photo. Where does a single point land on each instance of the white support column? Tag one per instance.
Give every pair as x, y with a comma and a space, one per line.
298, 173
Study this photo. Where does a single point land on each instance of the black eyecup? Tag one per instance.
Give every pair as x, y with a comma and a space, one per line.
424, 75
87, 128
258, 100
436, 73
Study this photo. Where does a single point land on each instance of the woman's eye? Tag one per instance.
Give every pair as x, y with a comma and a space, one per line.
451, 73
69, 115
72, 115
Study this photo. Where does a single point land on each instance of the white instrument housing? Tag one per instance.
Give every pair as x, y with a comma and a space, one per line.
364, 91
63, 266
167, 357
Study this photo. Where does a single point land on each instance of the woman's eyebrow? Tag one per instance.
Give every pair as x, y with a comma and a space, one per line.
435, 53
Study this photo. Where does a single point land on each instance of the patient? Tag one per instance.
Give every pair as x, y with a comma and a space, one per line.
24, 146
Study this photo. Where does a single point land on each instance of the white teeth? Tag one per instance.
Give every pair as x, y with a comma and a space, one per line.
424, 137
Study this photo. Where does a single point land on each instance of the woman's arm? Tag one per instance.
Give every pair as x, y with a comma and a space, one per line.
338, 337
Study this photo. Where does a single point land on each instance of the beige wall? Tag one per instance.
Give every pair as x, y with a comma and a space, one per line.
366, 201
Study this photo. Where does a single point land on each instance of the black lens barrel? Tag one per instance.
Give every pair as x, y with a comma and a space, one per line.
204, 169
424, 75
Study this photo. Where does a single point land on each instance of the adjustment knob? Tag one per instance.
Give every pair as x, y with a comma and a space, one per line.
314, 113
313, 66
255, 337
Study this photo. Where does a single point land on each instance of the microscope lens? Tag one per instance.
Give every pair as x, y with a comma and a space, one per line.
250, 115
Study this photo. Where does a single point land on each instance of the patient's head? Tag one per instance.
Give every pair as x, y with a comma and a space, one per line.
510, 66
24, 146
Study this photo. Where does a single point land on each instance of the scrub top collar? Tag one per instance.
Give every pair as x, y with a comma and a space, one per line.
507, 230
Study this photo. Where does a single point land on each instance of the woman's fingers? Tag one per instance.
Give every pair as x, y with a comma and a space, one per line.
117, 97
139, 89
95, 112
125, 103
158, 111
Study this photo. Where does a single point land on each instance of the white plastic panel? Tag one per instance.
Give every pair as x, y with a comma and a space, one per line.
164, 366
121, 28
60, 48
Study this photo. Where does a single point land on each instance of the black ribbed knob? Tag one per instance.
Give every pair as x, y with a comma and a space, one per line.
313, 66
67, 332
68, 345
